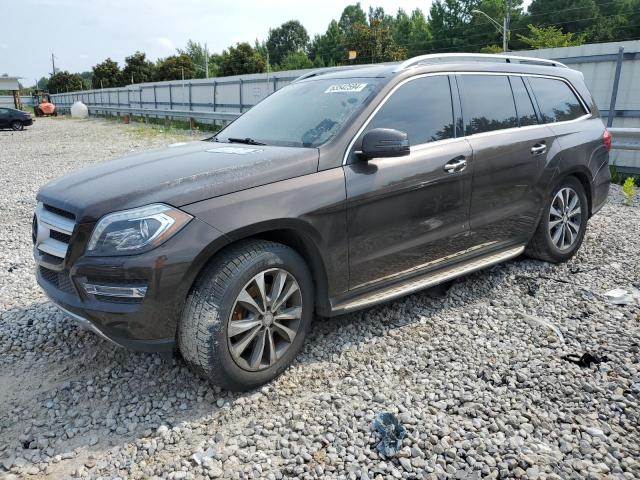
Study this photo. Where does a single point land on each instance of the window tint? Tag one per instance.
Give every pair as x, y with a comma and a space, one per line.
556, 100
422, 108
488, 103
526, 113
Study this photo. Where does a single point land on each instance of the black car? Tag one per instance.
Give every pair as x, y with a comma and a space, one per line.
14, 119
339, 191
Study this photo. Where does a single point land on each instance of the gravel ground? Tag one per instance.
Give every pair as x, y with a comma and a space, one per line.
473, 373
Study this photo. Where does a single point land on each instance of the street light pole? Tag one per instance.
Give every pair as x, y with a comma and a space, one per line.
504, 28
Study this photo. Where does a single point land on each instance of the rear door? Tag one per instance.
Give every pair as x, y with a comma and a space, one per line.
510, 148
409, 213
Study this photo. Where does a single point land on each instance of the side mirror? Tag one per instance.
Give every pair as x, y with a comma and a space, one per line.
385, 142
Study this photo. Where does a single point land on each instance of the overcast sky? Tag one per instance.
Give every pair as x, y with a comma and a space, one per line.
82, 33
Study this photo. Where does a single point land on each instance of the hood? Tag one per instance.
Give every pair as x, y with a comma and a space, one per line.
176, 175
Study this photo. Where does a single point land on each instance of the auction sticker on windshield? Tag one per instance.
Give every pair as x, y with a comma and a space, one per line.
346, 87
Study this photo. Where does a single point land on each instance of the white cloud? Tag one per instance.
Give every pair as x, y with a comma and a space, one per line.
165, 42
4, 46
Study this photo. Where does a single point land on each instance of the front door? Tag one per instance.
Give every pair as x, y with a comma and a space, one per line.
409, 213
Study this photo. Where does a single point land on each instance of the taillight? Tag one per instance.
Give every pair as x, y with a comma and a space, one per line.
607, 138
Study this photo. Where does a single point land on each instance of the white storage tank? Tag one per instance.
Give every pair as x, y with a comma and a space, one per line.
79, 110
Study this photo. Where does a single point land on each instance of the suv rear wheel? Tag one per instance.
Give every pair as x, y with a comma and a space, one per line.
246, 317
563, 223
17, 125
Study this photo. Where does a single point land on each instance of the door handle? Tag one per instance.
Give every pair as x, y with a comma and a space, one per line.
455, 165
538, 149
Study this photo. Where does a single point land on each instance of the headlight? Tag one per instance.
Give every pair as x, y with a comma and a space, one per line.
136, 230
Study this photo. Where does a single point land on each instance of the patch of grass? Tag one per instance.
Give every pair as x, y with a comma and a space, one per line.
629, 190
620, 178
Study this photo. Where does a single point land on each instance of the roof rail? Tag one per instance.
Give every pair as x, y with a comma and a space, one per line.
477, 57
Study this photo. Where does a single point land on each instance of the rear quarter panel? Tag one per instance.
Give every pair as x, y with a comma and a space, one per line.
582, 152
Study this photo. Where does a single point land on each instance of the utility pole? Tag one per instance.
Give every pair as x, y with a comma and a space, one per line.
206, 61
53, 64
505, 28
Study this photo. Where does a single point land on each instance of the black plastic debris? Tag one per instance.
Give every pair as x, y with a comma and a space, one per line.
392, 433
586, 360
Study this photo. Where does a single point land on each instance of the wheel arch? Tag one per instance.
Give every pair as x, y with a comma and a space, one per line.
584, 177
295, 234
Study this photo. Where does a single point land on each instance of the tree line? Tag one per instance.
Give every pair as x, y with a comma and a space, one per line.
377, 36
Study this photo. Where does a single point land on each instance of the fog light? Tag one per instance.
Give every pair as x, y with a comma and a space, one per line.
111, 291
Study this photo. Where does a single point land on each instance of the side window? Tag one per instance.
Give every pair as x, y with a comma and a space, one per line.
422, 108
556, 100
524, 106
487, 103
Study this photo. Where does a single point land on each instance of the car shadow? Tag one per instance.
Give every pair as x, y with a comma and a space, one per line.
73, 389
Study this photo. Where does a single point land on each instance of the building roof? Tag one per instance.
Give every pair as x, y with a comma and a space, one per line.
9, 83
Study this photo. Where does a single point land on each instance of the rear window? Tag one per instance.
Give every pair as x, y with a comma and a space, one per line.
526, 113
556, 100
487, 103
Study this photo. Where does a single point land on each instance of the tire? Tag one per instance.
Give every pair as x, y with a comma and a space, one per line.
213, 305
16, 126
551, 244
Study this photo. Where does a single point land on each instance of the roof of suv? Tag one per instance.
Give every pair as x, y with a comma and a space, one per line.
437, 61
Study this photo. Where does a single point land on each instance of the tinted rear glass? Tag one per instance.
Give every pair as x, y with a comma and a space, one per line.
421, 108
556, 100
487, 103
526, 113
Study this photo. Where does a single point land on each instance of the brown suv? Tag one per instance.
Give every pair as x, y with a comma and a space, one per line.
342, 190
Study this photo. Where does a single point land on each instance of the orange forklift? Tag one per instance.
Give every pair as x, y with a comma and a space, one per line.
42, 105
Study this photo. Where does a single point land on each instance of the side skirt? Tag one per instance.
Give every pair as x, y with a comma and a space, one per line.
414, 284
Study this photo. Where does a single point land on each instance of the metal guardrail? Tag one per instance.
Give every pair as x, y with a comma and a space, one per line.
160, 113
625, 138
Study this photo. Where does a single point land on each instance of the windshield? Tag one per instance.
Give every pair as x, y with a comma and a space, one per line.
305, 114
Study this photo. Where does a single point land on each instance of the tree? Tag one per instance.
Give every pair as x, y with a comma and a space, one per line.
63, 81
574, 16
374, 42
174, 67
448, 22
289, 37
241, 59
352, 15
295, 61
328, 48
106, 75
550, 37
86, 79
412, 32
137, 69
198, 53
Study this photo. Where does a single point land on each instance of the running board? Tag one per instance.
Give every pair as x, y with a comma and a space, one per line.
429, 280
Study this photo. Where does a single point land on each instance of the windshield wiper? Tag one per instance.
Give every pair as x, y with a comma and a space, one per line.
248, 141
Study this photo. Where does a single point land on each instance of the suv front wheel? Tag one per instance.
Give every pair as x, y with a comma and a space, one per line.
247, 315
563, 223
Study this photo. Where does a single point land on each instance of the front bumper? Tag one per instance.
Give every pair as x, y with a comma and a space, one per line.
143, 324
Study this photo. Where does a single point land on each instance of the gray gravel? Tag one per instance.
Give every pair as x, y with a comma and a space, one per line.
475, 374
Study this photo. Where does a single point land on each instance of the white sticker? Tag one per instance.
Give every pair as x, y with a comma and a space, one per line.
346, 87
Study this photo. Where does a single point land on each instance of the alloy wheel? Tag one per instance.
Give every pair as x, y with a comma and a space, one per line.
17, 126
565, 218
265, 319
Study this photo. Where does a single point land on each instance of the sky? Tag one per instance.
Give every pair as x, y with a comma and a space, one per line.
82, 33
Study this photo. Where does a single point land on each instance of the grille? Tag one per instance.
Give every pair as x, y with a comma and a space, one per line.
61, 237
60, 212
53, 228
59, 280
